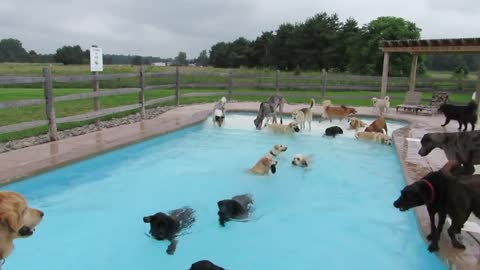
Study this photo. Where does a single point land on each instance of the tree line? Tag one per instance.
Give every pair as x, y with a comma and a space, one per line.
11, 50
325, 42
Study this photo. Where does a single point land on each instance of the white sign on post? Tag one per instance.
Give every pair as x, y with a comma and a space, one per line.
96, 59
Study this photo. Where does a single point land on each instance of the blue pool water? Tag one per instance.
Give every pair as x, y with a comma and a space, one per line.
337, 215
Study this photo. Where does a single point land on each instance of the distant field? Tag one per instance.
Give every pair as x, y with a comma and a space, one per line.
68, 108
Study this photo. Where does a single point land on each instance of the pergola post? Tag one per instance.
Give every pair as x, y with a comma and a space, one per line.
477, 95
413, 73
386, 59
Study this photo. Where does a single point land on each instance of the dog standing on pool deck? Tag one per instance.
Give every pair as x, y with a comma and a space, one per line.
17, 220
463, 114
304, 114
443, 194
459, 147
168, 226
268, 109
237, 208
218, 115
381, 104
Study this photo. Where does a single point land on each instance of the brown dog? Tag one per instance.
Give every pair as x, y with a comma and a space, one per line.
16, 220
264, 165
338, 112
379, 125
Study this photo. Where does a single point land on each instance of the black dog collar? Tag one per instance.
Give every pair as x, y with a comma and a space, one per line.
271, 153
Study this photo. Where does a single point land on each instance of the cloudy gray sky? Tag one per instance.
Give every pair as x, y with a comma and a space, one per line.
162, 28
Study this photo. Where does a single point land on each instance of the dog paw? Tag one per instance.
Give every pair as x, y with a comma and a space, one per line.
430, 237
433, 247
170, 251
458, 245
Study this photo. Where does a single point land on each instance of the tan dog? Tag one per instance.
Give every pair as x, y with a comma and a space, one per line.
276, 150
16, 220
381, 104
301, 161
264, 165
356, 123
379, 125
338, 112
291, 128
374, 136
305, 114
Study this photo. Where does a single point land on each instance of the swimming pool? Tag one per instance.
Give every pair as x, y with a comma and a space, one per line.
337, 215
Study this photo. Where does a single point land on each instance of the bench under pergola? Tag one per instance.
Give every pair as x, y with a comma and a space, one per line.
425, 46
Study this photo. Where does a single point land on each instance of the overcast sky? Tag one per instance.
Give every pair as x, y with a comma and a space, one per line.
163, 28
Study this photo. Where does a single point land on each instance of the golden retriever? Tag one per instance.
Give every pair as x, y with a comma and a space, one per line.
374, 136
338, 112
276, 150
291, 128
264, 165
379, 125
16, 220
356, 123
301, 160
304, 114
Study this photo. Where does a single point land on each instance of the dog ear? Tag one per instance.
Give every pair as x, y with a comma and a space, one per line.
147, 219
12, 220
304, 162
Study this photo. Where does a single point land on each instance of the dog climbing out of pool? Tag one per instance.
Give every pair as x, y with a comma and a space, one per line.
205, 265
237, 208
459, 147
17, 220
333, 131
444, 194
264, 165
168, 226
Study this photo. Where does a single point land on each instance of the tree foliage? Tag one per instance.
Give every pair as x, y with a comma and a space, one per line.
202, 59
181, 59
11, 50
71, 55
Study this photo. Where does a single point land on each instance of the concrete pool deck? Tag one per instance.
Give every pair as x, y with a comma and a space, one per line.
18, 164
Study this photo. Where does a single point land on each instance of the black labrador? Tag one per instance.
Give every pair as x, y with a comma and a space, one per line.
205, 265
443, 194
333, 131
236, 208
463, 114
167, 226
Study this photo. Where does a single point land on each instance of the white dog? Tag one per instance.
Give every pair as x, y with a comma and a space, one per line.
381, 104
218, 116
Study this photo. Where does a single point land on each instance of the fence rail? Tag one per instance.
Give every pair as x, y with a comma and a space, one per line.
269, 83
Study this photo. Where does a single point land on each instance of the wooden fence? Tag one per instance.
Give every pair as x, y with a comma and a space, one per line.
277, 81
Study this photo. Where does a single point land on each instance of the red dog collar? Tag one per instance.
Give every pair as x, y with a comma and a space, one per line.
432, 190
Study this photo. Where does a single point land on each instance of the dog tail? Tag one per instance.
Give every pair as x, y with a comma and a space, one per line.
312, 103
472, 105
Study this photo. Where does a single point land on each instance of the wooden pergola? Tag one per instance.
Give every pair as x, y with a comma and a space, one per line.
425, 46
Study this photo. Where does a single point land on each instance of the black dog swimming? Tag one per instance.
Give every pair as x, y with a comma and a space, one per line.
205, 265
333, 131
443, 194
236, 208
167, 227
463, 114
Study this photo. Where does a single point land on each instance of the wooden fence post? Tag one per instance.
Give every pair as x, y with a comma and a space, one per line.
50, 110
230, 84
96, 100
324, 83
177, 86
141, 94
277, 84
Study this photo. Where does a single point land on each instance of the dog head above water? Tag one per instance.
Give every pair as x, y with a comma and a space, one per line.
228, 209
17, 220
277, 149
417, 194
299, 160
205, 265
162, 226
294, 126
